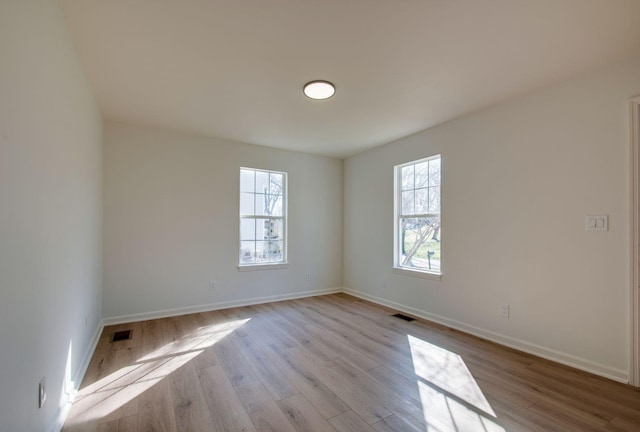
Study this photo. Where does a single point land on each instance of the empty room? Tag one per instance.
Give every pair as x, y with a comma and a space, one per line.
319, 215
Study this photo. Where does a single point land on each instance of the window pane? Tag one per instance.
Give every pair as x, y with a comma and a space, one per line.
262, 182
434, 172
434, 199
270, 202
262, 252
422, 174
269, 229
420, 243
422, 200
246, 203
247, 252
247, 229
247, 180
262, 226
274, 230
275, 184
407, 202
274, 203
261, 205
275, 250
407, 177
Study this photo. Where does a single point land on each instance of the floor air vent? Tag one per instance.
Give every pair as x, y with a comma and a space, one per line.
121, 335
403, 317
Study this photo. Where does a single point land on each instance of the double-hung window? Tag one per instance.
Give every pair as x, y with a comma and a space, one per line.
417, 217
263, 218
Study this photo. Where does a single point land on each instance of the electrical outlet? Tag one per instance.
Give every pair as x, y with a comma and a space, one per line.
212, 286
307, 277
597, 222
42, 392
504, 310
383, 284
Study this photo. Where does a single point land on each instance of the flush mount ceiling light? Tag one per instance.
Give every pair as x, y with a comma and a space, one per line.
319, 89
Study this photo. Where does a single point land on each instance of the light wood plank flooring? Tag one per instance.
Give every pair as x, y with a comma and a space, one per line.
333, 363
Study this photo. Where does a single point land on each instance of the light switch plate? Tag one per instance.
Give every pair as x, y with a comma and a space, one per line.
597, 222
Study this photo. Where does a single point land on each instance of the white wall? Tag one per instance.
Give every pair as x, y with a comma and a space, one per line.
50, 214
171, 222
518, 180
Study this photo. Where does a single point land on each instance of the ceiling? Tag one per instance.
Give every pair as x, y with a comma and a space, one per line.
234, 69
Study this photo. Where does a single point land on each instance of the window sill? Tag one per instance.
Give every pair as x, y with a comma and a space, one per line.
417, 273
255, 267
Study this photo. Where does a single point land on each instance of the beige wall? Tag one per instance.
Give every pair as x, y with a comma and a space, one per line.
518, 180
50, 215
171, 223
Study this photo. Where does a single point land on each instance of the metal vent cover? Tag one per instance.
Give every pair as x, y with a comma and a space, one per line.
403, 317
121, 335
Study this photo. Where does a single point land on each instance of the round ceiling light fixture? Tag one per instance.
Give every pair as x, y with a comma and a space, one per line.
319, 89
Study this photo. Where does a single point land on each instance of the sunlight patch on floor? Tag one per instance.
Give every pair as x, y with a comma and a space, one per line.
448, 392
130, 383
118, 390
203, 337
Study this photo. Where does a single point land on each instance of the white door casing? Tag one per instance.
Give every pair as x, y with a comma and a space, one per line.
634, 346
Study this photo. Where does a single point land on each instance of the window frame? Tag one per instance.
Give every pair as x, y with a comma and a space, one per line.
243, 266
397, 221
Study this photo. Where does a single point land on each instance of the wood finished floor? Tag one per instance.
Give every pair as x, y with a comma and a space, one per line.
333, 363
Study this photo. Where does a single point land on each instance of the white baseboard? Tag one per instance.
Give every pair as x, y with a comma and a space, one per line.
521, 345
215, 306
79, 375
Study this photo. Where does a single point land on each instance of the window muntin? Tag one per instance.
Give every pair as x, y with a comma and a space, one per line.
417, 216
263, 209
